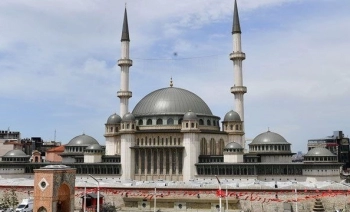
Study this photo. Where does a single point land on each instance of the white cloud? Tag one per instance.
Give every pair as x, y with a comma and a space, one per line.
65, 53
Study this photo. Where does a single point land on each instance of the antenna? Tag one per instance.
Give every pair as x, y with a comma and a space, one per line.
54, 137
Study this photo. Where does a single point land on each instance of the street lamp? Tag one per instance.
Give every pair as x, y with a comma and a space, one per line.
85, 196
155, 196
219, 192
98, 192
226, 198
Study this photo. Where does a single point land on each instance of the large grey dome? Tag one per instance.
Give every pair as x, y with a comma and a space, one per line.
114, 119
82, 140
171, 101
15, 153
269, 138
319, 151
232, 116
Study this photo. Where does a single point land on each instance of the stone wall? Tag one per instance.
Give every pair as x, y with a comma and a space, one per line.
254, 200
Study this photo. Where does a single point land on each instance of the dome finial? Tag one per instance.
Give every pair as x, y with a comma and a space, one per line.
268, 129
171, 81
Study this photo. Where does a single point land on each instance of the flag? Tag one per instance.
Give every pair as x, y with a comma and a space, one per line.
220, 193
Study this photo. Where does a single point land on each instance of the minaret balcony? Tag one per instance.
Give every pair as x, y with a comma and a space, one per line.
238, 89
127, 94
124, 62
237, 56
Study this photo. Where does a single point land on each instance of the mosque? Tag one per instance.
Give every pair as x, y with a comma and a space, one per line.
172, 134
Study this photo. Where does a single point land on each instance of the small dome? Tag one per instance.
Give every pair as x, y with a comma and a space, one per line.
15, 153
269, 138
190, 116
319, 151
94, 147
128, 117
233, 145
114, 119
82, 140
232, 116
55, 167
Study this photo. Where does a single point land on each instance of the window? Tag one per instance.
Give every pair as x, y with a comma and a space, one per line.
208, 122
140, 122
201, 122
149, 122
159, 121
170, 121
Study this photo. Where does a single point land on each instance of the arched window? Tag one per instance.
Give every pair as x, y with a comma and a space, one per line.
201, 122
180, 121
159, 121
221, 147
208, 122
212, 146
192, 125
237, 127
203, 146
140, 122
186, 125
149, 122
170, 121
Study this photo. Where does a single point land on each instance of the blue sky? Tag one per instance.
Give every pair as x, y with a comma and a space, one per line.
58, 62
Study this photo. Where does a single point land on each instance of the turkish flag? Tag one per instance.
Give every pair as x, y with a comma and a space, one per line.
220, 193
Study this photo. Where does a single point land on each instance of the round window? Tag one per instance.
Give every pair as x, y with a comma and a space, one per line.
43, 184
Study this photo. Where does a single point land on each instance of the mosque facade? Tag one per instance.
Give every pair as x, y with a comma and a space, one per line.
172, 134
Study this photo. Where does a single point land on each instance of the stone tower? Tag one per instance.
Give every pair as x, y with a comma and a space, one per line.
54, 189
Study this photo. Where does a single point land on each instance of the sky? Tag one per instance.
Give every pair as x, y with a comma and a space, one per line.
59, 76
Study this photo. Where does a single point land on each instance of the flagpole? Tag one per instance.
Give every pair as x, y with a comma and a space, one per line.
155, 197
226, 199
296, 200
219, 192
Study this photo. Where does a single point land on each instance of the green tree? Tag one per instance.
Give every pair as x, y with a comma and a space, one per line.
9, 199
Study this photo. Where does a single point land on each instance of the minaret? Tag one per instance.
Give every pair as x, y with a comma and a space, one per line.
237, 56
124, 94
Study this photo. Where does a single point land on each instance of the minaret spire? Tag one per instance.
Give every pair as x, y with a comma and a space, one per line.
124, 94
237, 56
125, 31
236, 27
